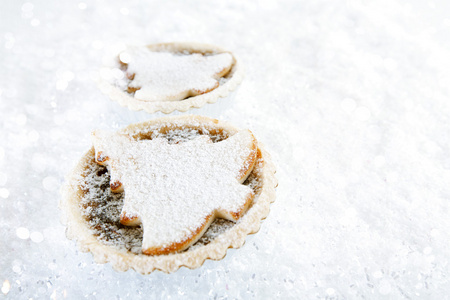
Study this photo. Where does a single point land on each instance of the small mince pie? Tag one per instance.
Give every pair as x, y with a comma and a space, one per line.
167, 193
173, 76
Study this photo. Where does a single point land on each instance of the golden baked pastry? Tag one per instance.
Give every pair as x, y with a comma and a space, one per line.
172, 76
207, 186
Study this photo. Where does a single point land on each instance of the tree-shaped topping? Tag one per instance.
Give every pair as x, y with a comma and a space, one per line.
176, 190
166, 76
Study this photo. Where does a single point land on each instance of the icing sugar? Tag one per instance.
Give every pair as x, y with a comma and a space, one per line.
101, 208
166, 76
173, 188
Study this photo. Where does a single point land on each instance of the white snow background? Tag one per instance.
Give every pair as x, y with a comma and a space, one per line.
350, 97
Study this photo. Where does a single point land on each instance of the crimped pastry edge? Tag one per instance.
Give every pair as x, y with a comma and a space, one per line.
77, 228
167, 107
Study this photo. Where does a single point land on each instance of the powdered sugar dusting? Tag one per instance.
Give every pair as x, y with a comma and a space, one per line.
173, 188
101, 209
168, 76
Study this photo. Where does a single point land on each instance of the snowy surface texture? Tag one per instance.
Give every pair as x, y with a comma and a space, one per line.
350, 97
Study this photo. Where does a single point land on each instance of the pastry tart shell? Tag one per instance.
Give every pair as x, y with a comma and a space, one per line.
78, 229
